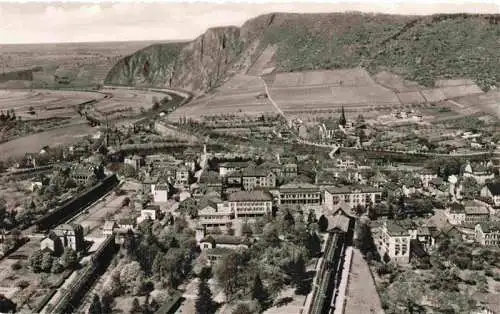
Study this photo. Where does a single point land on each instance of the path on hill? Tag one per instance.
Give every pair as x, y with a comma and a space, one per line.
278, 109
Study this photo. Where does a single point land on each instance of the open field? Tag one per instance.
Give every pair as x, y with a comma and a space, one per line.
46, 103
124, 99
82, 63
236, 96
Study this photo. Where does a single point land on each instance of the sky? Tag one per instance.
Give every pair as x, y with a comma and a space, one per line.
52, 22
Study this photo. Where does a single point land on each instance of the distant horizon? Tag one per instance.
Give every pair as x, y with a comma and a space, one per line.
71, 23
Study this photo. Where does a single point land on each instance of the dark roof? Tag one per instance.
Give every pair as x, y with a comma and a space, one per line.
493, 226
299, 187
494, 188
236, 164
394, 229
436, 181
255, 195
254, 172
171, 303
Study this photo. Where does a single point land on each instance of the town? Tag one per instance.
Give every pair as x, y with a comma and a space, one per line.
155, 217
319, 163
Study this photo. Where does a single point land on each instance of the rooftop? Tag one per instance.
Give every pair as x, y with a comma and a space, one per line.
475, 208
352, 189
490, 226
225, 239
298, 186
255, 195
396, 230
494, 188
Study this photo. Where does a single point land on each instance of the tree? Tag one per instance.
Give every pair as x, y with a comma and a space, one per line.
35, 261
95, 306
106, 303
246, 230
204, 303
47, 261
136, 307
259, 292
242, 308
313, 244
227, 273
311, 217
129, 274
322, 223
69, 259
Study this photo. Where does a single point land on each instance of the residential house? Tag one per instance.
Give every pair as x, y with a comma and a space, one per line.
289, 167
134, 161
492, 191
109, 227
81, 173
126, 224
52, 243
488, 234
151, 212
161, 192
352, 196
216, 215
71, 236
299, 193
251, 204
253, 177
394, 242
215, 247
345, 162
469, 213
270, 165
480, 173
427, 176
182, 176
231, 166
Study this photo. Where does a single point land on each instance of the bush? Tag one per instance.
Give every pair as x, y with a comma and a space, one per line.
16, 266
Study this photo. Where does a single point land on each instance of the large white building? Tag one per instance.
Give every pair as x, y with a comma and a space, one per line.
255, 203
394, 240
217, 215
352, 196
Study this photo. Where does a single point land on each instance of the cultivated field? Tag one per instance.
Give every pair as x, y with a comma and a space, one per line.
239, 95
83, 63
46, 103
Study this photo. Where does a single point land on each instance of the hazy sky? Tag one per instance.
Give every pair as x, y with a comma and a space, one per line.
77, 22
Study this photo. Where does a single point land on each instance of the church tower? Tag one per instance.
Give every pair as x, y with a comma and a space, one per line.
342, 120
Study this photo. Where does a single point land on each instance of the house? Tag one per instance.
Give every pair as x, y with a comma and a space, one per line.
352, 196
182, 176
217, 215
52, 243
126, 224
71, 236
299, 193
394, 242
223, 241
161, 192
272, 166
480, 173
227, 167
151, 212
81, 173
253, 177
109, 227
488, 234
251, 204
289, 166
427, 176
134, 161
492, 191
345, 162
470, 213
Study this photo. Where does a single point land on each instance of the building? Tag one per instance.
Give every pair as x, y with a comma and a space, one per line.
83, 172
134, 161
352, 196
480, 173
427, 176
394, 242
231, 166
151, 212
492, 191
470, 213
250, 204
161, 192
52, 243
289, 167
216, 215
182, 175
488, 234
345, 162
251, 178
299, 193
109, 227
71, 236
269, 165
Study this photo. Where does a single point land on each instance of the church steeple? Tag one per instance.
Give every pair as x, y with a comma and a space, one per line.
342, 120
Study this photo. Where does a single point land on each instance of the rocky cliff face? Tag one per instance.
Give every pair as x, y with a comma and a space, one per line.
298, 42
